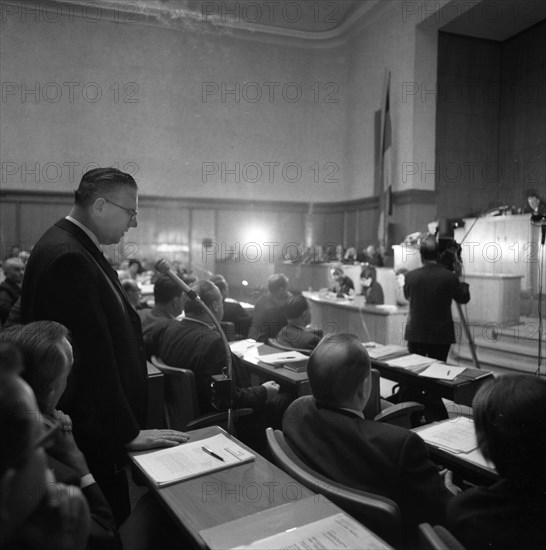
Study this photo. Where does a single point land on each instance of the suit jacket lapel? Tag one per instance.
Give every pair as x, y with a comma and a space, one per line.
92, 248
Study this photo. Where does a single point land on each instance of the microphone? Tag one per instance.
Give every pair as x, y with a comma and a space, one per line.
164, 268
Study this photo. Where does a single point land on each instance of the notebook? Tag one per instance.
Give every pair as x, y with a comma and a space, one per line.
193, 459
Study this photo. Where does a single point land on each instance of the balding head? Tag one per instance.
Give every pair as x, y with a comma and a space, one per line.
337, 370
13, 270
212, 298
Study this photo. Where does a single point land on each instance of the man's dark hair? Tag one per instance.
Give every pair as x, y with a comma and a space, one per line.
276, 282
510, 422
295, 307
42, 357
208, 292
99, 182
337, 366
165, 289
429, 249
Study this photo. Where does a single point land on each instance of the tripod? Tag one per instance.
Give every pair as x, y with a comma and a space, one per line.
469, 336
542, 224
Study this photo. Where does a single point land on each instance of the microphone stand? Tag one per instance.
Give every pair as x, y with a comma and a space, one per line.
162, 266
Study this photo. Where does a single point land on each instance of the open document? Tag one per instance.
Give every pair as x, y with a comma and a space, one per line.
411, 362
455, 435
335, 532
283, 357
310, 523
167, 466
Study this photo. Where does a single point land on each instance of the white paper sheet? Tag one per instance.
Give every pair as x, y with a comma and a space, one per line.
335, 532
441, 371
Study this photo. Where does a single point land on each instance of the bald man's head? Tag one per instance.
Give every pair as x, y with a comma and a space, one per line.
337, 368
13, 270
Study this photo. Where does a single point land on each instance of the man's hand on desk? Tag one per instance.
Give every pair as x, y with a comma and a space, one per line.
152, 439
272, 389
447, 476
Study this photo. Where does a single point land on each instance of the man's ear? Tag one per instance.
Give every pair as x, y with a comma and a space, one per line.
367, 388
98, 206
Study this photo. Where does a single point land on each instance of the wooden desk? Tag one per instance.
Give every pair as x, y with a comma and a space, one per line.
385, 324
226, 495
460, 390
296, 382
470, 466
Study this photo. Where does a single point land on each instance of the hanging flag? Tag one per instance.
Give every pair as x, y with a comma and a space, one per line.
385, 167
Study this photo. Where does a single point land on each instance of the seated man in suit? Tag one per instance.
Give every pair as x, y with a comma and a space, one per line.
296, 333
36, 511
10, 288
330, 434
510, 422
233, 310
269, 310
194, 344
167, 304
48, 358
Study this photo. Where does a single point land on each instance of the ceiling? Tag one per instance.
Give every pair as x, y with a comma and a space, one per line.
323, 19
498, 20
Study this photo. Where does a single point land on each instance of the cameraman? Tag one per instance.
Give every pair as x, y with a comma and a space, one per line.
430, 331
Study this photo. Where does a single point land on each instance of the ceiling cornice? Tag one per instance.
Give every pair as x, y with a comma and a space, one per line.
132, 13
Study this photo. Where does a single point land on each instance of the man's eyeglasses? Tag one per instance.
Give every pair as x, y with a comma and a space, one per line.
132, 213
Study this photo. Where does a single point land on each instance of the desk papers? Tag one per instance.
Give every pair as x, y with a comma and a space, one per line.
310, 523
441, 371
381, 352
335, 532
240, 347
455, 435
283, 357
411, 362
167, 466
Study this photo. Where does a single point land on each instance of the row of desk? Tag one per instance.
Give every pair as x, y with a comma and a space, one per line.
200, 506
460, 390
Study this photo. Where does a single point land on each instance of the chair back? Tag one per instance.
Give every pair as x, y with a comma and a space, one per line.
380, 514
437, 538
373, 406
181, 405
276, 344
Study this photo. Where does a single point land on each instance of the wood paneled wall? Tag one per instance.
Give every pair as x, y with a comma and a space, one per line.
491, 121
204, 234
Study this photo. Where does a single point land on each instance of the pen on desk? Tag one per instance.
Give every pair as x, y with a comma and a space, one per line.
209, 452
448, 372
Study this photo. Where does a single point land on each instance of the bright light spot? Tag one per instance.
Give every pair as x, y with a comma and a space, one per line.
244, 283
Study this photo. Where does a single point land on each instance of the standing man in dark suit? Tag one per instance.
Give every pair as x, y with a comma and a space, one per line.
68, 280
430, 331
329, 433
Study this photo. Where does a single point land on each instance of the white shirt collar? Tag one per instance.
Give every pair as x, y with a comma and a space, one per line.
86, 230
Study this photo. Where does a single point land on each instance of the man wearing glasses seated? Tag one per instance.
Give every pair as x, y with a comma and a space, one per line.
36, 512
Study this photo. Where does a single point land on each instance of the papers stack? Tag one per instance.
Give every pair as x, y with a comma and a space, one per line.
411, 362
441, 371
167, 466
306, 524
456, 435
283, 358
241, 347
381, 352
